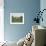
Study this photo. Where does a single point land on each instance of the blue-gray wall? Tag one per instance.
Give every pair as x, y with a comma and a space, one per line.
29, 8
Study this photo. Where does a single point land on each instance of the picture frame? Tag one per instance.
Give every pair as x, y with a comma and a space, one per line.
16, 18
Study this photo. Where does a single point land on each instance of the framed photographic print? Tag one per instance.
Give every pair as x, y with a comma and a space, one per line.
16, 18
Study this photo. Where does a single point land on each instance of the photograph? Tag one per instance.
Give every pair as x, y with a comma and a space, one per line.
16, 18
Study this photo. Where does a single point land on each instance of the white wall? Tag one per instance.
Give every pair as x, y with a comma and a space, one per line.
1, 20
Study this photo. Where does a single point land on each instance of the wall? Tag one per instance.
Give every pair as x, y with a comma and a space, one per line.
43, 6
1, 21
29, 8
